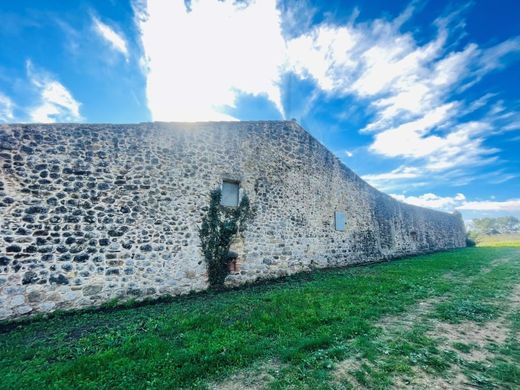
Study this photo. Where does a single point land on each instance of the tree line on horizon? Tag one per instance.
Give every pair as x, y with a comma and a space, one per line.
492, 226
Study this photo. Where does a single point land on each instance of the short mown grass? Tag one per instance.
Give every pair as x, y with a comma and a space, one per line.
306, 325
499, 240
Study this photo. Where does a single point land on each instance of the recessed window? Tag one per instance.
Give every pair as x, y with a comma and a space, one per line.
230, 193
339, 220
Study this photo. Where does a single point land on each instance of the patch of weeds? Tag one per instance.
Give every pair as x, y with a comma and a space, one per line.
466, 310
462, 347
506, 372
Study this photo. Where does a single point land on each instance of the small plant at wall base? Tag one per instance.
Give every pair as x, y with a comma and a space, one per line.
216, 234
471, 239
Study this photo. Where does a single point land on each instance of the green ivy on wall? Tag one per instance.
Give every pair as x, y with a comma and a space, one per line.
216, 234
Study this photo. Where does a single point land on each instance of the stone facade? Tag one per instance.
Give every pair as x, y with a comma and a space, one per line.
89, 213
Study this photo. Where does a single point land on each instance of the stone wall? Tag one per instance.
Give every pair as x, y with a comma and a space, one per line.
89, 213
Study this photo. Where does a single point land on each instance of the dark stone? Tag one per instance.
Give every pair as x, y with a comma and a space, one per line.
146, 248
61, 248
13, 248
86, 205
103, 186
112, 272
61, 210
28, 218
45, 249
72, 219
104, 241
30, 277
47, 257
75, 249
70, 240
4, 260
134, 291
22, 232
80, 172
125, 209
89, 219
81, 258
36, 210
8, 200
58, 279
65, 257
31, 249
26, 149
66, 267
115, 233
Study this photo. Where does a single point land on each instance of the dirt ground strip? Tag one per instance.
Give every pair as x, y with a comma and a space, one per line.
257, 378
478, 336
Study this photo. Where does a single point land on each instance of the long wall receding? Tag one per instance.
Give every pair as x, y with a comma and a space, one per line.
89, 213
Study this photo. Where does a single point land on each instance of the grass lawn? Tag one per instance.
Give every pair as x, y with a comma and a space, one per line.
493, 240
450, 318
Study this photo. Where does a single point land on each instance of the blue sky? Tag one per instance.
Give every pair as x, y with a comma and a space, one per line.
421, 98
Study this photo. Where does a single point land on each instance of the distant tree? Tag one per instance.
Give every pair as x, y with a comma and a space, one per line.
496, 225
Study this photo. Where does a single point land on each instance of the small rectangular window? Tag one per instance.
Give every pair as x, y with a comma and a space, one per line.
230, 193
339, 218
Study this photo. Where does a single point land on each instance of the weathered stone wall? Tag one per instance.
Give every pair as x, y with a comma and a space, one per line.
89, 213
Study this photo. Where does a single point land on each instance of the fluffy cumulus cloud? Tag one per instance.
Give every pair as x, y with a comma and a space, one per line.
55, 103
459, 202
115, 40
409, 88
6, 108
433, 201
199, 58
387, 180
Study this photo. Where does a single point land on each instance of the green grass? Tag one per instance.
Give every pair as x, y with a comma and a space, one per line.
499, 240
307, 325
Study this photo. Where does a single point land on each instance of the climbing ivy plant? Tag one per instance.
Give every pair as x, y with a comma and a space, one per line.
218, 227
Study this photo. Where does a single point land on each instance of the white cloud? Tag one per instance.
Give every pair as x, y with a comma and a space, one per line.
386, 179
410, 88
114, 39
433, 201
6, 108
55, 102
459, 202
198, 61
508, 205
408, 139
